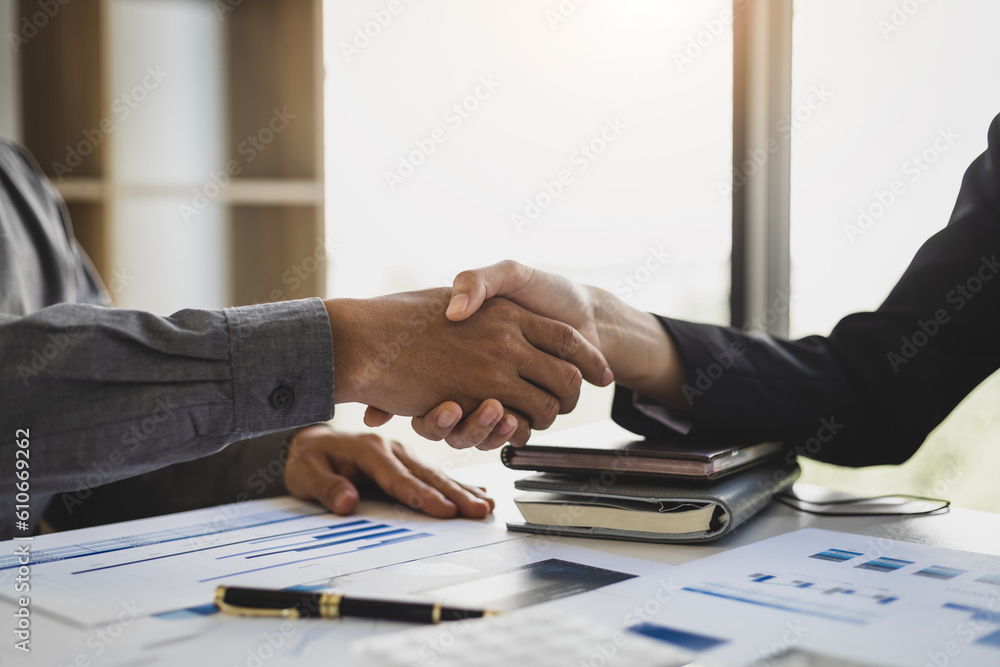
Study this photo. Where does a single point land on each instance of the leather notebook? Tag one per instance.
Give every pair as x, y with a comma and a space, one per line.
629, 455
727, 502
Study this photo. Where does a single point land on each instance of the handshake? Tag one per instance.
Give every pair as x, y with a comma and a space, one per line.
503, 351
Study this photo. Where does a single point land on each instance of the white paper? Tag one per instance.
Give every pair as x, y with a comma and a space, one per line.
499, 569
873, 601
138, 568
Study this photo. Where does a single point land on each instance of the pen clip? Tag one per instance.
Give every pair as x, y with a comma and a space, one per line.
226, 608
328, 607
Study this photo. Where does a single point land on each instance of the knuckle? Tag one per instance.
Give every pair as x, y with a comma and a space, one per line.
435, 478
568, 404
569, 341
547, 411
512, 267
521, 435
427, 428
498, 381
572, 380
329, 489
373, 440
467, 276
457, 440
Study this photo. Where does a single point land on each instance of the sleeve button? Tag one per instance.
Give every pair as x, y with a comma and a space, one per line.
282, 397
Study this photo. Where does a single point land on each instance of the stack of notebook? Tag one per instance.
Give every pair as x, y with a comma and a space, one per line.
603, 482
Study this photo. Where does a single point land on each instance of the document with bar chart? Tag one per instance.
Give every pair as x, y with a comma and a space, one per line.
851, 597
175, 562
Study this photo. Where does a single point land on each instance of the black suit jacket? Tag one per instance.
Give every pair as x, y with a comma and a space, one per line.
871, 391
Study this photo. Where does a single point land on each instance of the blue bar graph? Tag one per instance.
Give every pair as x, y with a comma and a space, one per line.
161, 536
885, 564
836, 555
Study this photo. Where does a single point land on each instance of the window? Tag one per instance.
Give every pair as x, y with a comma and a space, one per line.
876, 169
590, 143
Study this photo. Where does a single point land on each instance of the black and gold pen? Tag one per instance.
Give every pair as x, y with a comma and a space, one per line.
300, 604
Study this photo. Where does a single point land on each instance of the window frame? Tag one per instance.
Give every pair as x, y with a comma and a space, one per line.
761, 169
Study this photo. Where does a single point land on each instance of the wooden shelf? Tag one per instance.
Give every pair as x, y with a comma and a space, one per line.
86, 190
271, 58
263, 191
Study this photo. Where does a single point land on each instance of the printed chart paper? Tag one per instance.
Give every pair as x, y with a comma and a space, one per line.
859, 598
167, 563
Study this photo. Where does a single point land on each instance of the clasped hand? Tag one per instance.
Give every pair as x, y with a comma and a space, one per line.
507, 368
637, 349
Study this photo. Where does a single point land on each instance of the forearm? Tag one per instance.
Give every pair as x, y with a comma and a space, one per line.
350, 319
110, 393
401, 355
641, 354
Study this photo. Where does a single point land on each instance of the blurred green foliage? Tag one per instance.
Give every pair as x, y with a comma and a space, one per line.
959, 461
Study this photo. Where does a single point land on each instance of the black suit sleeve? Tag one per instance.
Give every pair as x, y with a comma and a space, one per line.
870, 392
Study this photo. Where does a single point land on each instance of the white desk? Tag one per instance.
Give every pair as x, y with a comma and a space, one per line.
962, 529
957, 529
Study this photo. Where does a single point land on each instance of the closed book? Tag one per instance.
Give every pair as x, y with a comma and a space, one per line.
594, 506
628, 455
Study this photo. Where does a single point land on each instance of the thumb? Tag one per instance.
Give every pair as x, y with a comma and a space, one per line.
375, 417
334, 491
472, 288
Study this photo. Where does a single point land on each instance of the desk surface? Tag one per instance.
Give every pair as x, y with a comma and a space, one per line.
962, 529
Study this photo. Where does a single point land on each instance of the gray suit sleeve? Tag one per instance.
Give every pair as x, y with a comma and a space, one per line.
108, 393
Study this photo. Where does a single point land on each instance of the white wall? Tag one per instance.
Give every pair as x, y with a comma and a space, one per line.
893, 81
558, 80
174, 135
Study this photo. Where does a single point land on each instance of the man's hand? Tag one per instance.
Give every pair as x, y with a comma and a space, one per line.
547, 294
401, 355
638, 349
328, 467
639, 352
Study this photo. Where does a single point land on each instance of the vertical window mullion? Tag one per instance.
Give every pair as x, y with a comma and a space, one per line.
762, 83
